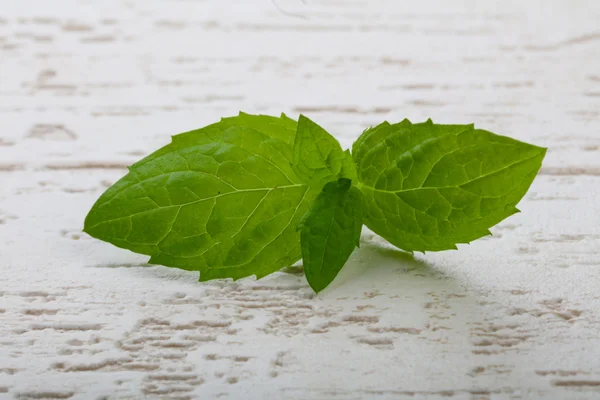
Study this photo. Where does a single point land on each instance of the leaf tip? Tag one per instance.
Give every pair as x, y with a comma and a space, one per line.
87, 224
207, 275
153, 260
303, 118
258, 275
315, 287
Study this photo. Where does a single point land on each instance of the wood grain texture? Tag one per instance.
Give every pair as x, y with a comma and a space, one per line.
89, 87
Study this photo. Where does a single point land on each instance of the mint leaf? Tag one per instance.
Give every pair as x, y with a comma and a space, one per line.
428, 187
329, 232
318, 156
229, 199
223, 200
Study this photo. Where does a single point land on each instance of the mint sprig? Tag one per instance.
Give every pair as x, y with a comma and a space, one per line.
252, 194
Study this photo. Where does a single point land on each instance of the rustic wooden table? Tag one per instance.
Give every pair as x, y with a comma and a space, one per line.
88, 87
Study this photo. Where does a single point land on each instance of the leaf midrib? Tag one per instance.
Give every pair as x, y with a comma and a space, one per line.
360, 183
196, 201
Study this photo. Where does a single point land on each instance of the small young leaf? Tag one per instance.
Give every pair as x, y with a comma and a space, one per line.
223, 200
428, 187
318, 156
329, 232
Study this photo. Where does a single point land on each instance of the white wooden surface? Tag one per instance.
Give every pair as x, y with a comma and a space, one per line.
88, 87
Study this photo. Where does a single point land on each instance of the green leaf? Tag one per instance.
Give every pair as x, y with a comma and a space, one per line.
428, 187
329, 232
223, 200
318, 156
